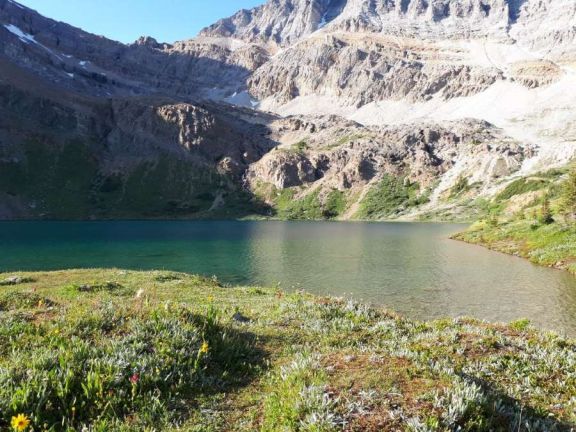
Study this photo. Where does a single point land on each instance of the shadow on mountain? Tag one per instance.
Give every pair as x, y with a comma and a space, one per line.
94, 65
514, 8
65, 155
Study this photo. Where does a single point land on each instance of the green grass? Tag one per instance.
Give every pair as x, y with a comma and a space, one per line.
306, 208
462, 186
309, 207
335, 204
522, 186
549, 243
552, 245
56, 177
390, 196
112, 350
300, 147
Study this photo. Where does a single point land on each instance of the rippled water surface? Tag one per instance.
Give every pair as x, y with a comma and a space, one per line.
412, 268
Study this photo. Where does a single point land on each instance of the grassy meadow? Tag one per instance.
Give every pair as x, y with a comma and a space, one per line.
114, 350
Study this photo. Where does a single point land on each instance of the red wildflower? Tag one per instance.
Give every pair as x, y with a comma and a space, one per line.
135, 378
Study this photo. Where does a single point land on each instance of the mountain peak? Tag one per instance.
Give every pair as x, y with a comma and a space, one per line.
286, 21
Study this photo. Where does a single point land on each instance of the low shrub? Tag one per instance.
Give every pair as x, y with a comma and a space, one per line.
521, 186
113, 365
391, 195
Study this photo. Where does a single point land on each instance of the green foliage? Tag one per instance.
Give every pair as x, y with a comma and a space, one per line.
306, 208
167, 186
22, 300
568, 195
335, 204
173, 358
300, 147
113, 364
296, 395
460, 187
57, 178
520, 325
521, 186
284, 198
552, 174
546, 244
493, 219
389, 196
64, 181
545, 217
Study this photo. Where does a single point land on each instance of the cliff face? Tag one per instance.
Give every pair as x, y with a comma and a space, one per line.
284, 22
363, 51
71, 58
311, 96
67, 157
532, 23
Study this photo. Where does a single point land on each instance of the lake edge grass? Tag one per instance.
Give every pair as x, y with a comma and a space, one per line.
551, 245
251, 358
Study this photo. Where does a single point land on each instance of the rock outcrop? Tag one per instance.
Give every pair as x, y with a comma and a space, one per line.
323, 154
314, 96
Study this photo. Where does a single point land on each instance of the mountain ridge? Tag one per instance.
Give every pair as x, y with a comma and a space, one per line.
272, 92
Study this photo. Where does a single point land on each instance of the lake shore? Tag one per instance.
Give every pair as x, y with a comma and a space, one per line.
125, 350
552, 245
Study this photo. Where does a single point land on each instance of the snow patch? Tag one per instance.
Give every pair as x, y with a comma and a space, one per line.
242, 99
16, 4
71, 75
227, 43
28, 38
23, 36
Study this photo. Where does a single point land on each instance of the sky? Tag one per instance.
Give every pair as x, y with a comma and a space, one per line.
126, 20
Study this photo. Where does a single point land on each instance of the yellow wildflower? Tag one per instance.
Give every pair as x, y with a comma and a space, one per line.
20, 422
204, 348
210, 299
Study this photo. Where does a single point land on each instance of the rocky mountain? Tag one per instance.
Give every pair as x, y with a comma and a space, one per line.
322, 101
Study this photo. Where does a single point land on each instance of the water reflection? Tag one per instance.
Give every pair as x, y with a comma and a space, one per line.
412, 268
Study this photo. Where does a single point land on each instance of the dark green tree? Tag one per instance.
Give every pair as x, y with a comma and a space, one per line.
568, 197
545, 216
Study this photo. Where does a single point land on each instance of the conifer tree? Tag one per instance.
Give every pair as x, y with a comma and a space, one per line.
568, 197
545, 212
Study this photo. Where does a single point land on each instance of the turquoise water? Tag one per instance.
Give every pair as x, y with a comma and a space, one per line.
411, 268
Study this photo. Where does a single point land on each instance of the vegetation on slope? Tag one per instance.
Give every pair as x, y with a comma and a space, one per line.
111, 350
292, 204
390, 196
542, 229
310, 207
65, 181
